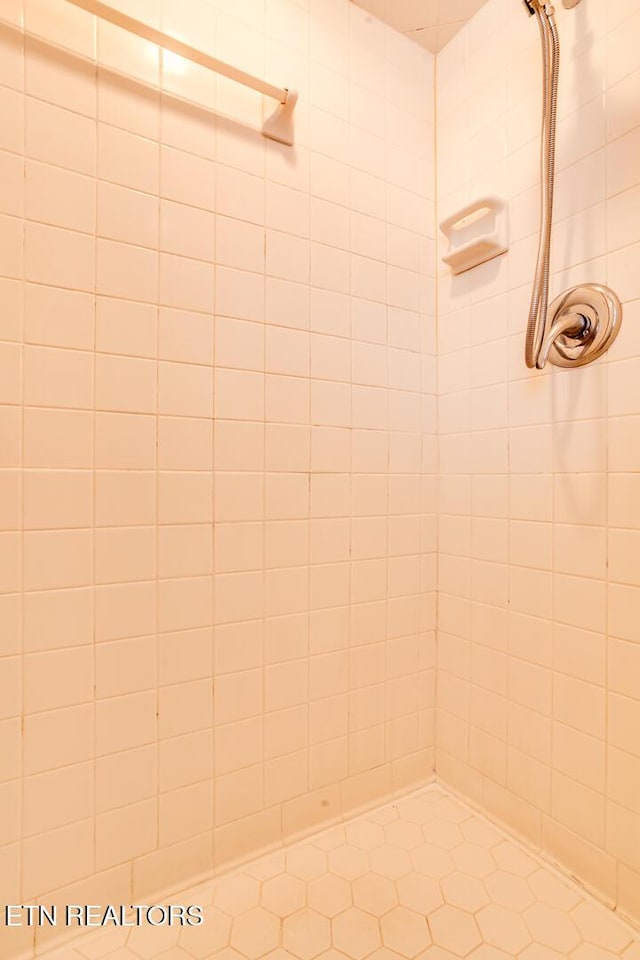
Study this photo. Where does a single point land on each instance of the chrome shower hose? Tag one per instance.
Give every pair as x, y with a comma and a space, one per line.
551, 69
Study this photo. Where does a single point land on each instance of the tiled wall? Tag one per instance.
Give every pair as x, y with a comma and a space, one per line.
217, 440
539, 605
217, 444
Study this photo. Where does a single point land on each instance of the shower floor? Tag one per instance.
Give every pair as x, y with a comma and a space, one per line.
423, 877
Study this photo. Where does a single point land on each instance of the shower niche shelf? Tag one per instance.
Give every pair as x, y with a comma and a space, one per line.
477, 233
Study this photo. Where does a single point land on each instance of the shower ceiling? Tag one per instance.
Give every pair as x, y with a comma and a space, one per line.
431, 23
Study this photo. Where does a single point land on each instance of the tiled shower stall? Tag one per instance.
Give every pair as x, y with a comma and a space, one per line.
288, 529
218, 441
539, 520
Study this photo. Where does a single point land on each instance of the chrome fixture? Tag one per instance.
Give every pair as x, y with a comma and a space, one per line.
581, 324
585, 321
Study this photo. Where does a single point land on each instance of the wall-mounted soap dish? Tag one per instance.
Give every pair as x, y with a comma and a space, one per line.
477, 233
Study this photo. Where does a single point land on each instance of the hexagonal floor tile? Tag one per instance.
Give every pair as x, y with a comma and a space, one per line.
122, 954
329, 895
535, 951
330, 839
147, 941
202, 894
405, 932
416, 810
100, 943
432, 861
419, 893
306, 862
69, 954
481, 832
227, 953
587, 951
442, 833
384, 954
348, 862
437, 953
552, 927
365, 835
454, 930
306, 934
461, 890
553, 890
283, 895
600, 927
278, 954
236, 894
390, 861
403, 834
375, 894
383, 815
211, 935
487, 952
266, 867
423, 878
449, 809
509, 891
503, 929
432, 793
476, 861
512, 859
356, 933
255, 933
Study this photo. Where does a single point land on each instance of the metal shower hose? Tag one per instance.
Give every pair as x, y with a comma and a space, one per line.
550, 69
